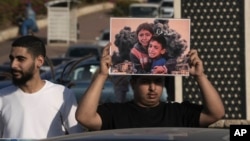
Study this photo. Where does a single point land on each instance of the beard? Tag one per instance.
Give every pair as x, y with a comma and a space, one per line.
25, 76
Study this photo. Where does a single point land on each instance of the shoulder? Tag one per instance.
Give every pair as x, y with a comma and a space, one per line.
58, 93
8, 90
115, 106
185, 105
58, 88
50, 84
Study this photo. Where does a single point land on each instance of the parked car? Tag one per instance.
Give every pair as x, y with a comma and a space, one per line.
103, 39
166, 9
52, 62
150, 134
77, 74
78, 79
5, 75
84, 49
5, 83
5, 72
144, 10
154, 1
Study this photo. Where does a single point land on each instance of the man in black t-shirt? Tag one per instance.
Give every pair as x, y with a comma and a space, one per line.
146, 109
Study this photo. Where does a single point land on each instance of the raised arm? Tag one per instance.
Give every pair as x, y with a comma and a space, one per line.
213, 105
86, 112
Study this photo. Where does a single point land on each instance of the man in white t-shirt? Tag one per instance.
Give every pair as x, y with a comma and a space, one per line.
33, 108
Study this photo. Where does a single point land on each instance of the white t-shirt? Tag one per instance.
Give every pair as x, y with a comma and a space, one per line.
46, 113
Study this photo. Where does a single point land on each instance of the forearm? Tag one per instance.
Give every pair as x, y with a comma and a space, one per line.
213, 105
86, 112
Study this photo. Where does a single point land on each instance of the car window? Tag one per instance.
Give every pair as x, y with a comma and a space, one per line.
144, 12
85, 72
154, 1
81, 52
167, 4
105, 36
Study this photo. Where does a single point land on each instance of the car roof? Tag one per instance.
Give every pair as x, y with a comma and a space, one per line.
106, 30
81, 50
66, 66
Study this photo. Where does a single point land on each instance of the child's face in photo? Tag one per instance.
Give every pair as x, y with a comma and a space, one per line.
144, 37
155, 49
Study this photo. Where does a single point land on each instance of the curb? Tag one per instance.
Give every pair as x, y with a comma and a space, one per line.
13, 31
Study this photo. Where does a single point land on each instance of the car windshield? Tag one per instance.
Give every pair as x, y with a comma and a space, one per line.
167, 4
154, 1
105, 36
143, 12
84, 72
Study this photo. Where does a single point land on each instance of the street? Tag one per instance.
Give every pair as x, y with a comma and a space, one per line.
90, 27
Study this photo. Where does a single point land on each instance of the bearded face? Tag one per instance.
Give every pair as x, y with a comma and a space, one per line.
20, 77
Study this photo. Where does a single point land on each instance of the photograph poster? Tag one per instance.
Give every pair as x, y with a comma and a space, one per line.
149, 46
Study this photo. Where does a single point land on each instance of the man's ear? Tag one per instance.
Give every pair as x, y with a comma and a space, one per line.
40, 61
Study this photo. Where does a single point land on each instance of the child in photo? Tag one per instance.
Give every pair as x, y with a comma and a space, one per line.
139, 53
157, 51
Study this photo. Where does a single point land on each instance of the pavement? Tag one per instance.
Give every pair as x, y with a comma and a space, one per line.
92, 20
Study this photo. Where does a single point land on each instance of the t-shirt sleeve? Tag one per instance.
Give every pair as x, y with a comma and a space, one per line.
69, 108
191, 114
106, 113
1, 126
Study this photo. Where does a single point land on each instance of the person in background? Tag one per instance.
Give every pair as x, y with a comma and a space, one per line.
146, 110
33, 108
29, 24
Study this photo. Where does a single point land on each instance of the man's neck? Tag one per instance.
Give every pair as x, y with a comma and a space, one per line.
32, 86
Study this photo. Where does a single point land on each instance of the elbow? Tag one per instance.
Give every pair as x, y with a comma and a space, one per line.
88, 122
211, 118
80, 118
221, 113
216, 118
83, 121
218, 113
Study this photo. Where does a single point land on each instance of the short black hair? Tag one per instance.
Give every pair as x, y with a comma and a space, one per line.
145, 26
34, 45
160, 39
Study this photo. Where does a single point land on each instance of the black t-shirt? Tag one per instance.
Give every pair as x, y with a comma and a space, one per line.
130, 115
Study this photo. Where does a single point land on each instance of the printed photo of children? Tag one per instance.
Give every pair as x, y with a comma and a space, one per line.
142, 46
